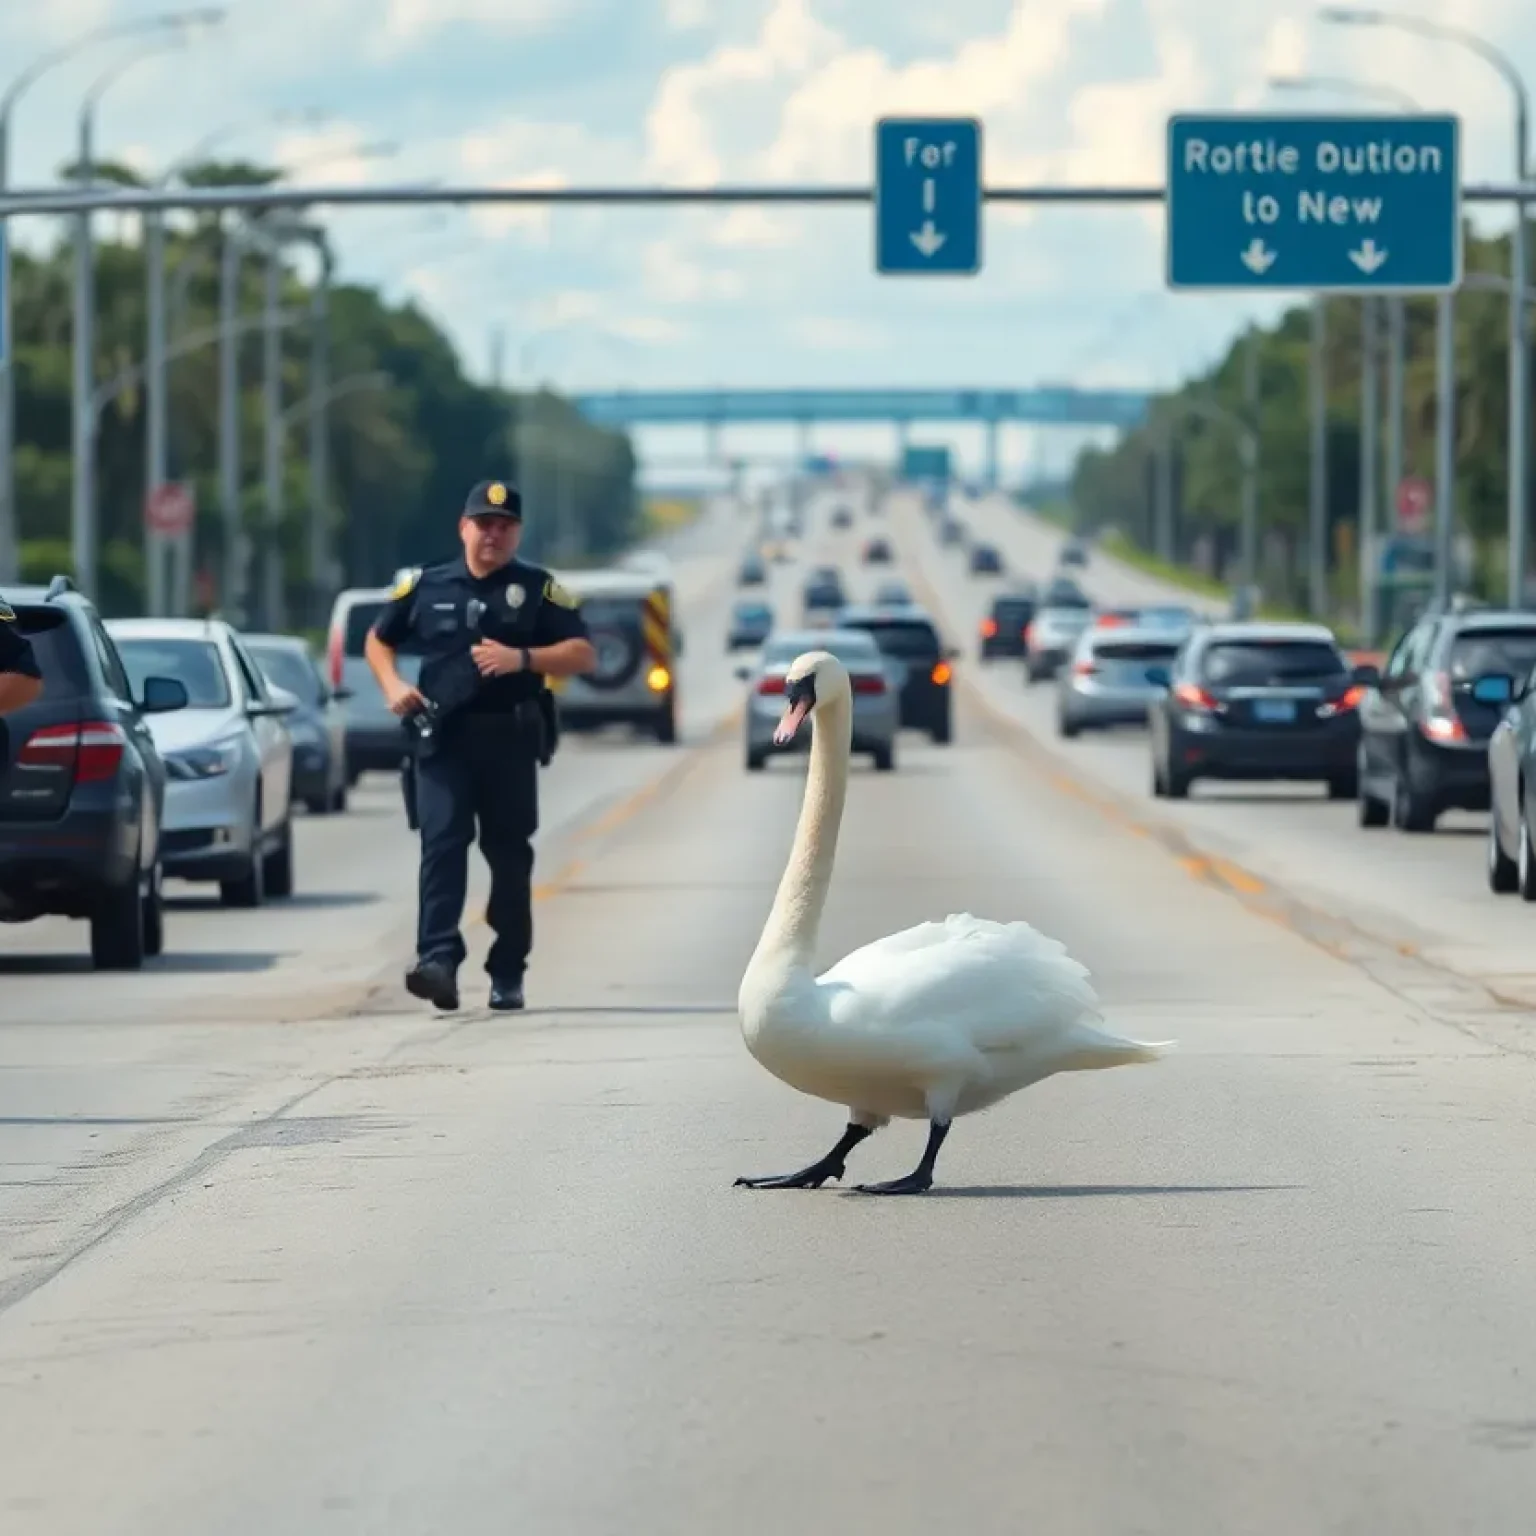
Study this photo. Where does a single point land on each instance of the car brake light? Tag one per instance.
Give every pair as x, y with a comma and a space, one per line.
334, 657
1084, 668
1110, 621
93, 750
868, 684
988, 628
1193, 697
1028, 630
1349, 700
1440, 720
771, 685
941, 674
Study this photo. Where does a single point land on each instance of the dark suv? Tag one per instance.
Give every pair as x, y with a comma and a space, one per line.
1425, 731
82, 790
911, 645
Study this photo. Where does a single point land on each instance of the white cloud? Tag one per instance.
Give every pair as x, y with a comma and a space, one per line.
408, 22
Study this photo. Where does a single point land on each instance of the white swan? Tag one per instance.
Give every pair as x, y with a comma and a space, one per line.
942, 1020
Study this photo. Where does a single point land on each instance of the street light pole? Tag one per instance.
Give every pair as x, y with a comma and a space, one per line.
9, 100
1317, 499
1445, 445
1519, 353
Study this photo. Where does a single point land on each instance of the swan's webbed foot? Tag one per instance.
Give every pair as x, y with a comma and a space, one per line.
920, 1180
832, 1166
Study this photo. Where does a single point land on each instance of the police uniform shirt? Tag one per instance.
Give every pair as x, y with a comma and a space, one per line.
16, 654
432, 608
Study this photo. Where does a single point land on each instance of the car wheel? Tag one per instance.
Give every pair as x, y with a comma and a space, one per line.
248, 889
117, 927
277, 865
1067, 727
1526, 863
1503, 871
1411, 811
940, 733
1345, 787
756, 762
666, 726
1176, 782
153, 901
885, 760
339, 800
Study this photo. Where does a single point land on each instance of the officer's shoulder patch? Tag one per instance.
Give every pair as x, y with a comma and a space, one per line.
7, 613
558, 595
405, 584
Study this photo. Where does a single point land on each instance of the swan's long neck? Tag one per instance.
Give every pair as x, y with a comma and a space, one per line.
789, 936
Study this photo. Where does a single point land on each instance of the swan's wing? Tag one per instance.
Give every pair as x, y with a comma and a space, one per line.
991, 984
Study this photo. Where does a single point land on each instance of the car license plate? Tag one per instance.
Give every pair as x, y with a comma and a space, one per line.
1274, 711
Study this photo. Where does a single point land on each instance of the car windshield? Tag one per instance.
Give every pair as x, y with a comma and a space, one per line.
1135, 650
1512, 651
57, 652
1012, 610
907, 640
1262, 663
847, 648
1164, 618
754, 612
288, 669
1065, 594
195, 664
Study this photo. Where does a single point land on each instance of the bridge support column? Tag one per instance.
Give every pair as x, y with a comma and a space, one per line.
802, 444
712, 442
903, 440
994, 432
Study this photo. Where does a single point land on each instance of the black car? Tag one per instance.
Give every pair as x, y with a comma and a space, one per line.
842, 518
1004, 629
823, 592
1258, 701
753, 572
751, 624
1425, 732
81, 802
1063, 592
908, 639
878, 552
893, 594
1073, 552
985, 560
951, 532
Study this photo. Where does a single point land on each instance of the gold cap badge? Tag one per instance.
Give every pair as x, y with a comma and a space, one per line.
496, 494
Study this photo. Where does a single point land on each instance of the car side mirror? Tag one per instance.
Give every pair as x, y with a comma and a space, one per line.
1493, 688
1159, 677
744, 674
161, 695
1367, 676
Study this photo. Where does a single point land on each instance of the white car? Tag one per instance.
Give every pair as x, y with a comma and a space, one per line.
228, 757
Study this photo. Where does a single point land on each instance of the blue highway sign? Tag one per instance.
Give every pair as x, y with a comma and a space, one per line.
928, 196
1331, 204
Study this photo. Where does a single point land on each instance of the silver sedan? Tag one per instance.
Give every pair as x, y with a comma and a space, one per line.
876, 703
1107, 681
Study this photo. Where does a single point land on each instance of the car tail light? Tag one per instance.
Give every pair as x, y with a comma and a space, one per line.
1084, 668
92, 750
941, 674
1110, 621
771, 685
988, 628
1350, 699
869, 685
1440, 720
334, 658
1193, 697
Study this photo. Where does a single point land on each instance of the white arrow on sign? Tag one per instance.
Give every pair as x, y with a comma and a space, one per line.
1368, 258
928, 239
1258, 258
929, 195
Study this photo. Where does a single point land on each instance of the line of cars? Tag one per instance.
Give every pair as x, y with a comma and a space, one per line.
900, 667
158, 748
1447, 723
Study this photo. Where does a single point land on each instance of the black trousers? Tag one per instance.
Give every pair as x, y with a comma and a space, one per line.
483, 776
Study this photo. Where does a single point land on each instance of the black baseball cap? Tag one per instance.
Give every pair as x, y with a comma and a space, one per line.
494, 498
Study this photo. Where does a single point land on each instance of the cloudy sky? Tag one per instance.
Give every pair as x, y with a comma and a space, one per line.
623, 92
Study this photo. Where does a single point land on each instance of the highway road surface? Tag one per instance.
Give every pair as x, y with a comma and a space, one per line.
363, 1269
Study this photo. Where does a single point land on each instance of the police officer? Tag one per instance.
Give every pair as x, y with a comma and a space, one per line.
520, 626
21, 681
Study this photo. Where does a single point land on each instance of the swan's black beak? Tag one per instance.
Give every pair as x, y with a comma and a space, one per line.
801, 700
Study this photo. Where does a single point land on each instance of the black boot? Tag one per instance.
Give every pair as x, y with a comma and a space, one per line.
434, 981
506, 996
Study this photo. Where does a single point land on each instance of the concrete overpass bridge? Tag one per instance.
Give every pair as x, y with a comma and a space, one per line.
1040, 405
